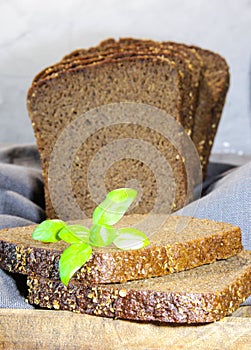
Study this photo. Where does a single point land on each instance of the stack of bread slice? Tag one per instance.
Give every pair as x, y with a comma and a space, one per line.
195, 274
194, 270
187, 82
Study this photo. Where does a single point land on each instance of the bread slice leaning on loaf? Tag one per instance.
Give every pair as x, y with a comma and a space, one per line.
181, 55
212, 95
57, 101
190, 80
204, 294
180, 243
187, 82
210, 74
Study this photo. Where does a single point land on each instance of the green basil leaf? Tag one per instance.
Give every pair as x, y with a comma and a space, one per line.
130, 238
111, 210
73, 257
48, 230
74, 234
102, 235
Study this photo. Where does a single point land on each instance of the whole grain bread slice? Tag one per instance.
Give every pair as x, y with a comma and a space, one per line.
210, 73
213, 92
213, 81
113, 49
179, 243
177, 52
189, 62
204, 294
55, 102
213, 86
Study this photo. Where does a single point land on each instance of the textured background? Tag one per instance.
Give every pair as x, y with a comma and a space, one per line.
36, 34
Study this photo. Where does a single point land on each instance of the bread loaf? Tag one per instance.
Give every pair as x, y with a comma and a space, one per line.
180, 243
204, 294
189, 72
122, 71
210, 74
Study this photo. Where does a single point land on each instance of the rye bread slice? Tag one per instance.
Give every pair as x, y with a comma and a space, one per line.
193, 62
213, 82
214, 88
201, 295
194, 65
189, 82
100, 52
96, 54
55, 102
181, 243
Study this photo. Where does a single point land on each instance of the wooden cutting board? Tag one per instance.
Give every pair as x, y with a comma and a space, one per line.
47, 329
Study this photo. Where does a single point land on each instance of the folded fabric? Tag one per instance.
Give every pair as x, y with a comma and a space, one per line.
13, 221
23, 180
10, 295
26, 155
228, 200
21, 187
21, 204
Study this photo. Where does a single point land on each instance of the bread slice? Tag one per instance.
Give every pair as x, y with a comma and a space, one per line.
204, 294
180, 243
58, 100
177, 52
213, 80
209, 71
210, 76
213, 92
203, 83
109, 49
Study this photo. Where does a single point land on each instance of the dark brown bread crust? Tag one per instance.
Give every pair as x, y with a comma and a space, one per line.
200, 242
204, 294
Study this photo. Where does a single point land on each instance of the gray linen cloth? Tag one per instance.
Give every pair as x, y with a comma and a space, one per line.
21, 203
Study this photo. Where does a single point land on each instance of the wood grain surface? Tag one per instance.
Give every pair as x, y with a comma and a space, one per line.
47, 329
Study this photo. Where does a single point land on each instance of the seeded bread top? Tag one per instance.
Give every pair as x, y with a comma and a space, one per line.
161, 231
180, 243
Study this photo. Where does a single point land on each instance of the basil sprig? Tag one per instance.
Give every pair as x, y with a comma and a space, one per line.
101, 234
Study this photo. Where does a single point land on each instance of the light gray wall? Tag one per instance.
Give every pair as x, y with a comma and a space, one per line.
35, 34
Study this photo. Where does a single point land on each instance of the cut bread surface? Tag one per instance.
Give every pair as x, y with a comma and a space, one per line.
180, 243
187, 82
203, 294
209, 74
150, 81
